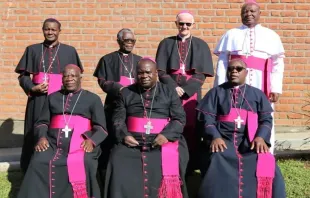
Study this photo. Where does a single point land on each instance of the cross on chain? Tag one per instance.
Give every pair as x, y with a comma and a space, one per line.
66, 130
238, 121
183, 68
131, 78
45, 78
148, 127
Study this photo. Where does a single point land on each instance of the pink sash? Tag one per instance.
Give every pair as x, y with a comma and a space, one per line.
125, 81
75, 160
261, 64
54, 81
171, 183
265, 167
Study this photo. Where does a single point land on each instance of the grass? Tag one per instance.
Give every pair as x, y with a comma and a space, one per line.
296, 174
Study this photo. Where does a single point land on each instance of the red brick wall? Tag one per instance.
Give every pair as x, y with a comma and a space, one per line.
91, 27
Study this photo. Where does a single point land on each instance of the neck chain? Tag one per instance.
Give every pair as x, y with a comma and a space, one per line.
183, 63
239, 119
148, 117
43, 62
67, 129
129, 72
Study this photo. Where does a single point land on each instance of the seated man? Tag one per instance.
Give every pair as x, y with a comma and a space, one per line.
69, 130
150, 155
238, 123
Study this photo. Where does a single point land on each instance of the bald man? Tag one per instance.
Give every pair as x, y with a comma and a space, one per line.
150, 155
184, 61
68, 134
238, 123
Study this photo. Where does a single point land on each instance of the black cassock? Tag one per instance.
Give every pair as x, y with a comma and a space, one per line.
47, 175
233, 173
110, 71
29, 65
196, 56
134, 172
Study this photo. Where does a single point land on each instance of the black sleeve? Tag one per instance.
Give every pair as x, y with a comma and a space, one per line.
25, 82
162, 62
76, 60
98, 132
193, 85
109, 87
174, 129
119, 119
42, 124
208, 111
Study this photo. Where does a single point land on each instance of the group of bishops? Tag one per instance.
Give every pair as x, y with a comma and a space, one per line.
153, 130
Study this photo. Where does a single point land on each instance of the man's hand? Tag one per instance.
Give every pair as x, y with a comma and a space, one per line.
180, 91
274, 97
131, 141
40, 88
87, 145
159, 140
260, 145
218, 144
42, 145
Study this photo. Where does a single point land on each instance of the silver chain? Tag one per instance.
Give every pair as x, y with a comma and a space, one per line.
42, 59
63, 107
190, 42
148, 117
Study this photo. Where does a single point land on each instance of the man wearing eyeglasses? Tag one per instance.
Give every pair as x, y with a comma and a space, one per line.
115, 71
261, 48
184, 61
238, 123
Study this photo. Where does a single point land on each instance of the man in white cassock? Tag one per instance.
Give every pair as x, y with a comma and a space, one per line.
262, 50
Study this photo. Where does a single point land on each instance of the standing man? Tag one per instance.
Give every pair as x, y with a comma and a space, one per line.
184, 62
39, 72
68, 133
238, 122
261, 48
150, 155
115, 71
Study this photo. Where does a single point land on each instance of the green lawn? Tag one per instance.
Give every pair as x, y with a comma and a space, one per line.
296, 174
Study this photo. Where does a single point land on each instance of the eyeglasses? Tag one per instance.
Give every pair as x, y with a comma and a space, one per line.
129, 40
237, 68
187, 24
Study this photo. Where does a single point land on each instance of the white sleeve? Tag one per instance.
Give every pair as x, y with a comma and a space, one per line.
276, 76
221, 69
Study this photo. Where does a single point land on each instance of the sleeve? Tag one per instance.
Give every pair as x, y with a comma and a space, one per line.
26, 63
174, 129
119, 119
25, 82
194, 84
276, 76
98, 132
221, 69
42, 124
162, 61
76, 60
265, 120
109, 87
208, 113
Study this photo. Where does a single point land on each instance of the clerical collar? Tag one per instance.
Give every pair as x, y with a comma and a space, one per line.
185, 37
146, 90
74, 92
123, 53
246, 27
51, 46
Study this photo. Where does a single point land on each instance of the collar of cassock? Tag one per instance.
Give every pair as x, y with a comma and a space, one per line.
65, 92
50, 46
246, 27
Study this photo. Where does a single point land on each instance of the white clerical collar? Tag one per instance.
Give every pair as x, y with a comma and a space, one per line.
246, 27
184, 37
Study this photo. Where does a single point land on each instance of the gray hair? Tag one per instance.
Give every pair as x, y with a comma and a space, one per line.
121, 33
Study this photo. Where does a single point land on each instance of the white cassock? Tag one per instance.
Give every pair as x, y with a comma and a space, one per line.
261, 48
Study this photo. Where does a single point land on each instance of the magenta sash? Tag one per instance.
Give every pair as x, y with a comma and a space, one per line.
265, 167
54, 81
261, 64
125, 81
75, 160
171, 182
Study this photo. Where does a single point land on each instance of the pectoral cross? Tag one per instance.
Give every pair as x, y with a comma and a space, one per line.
183, 68
66, 130
238, 121
45, 78
148, 127
131, 79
